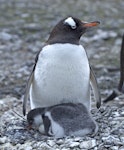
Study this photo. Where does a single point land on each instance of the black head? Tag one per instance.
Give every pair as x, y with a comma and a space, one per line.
33, 114
30, 118
69, 30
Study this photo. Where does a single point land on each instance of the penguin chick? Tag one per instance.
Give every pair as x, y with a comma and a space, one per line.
34, 118
67, 119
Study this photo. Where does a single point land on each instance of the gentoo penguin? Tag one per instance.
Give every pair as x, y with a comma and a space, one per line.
120, 88
121, 83
67, 119
62, 72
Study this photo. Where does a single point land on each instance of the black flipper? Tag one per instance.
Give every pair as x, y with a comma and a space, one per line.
28, 86
121, 83
95, 88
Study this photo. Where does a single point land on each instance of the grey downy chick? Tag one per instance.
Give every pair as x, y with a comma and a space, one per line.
62, 120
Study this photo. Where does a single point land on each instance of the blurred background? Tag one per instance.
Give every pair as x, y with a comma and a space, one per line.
26, 24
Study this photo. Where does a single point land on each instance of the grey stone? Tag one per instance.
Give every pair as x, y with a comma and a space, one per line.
114, 147
122, 139
3, 140
28, 148
44, 146
65, 149
5, 36
59, 141
121, 148
88, 144
77, 139
51, 143
74, 144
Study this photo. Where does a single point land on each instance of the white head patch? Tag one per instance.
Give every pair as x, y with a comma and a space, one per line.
70, 21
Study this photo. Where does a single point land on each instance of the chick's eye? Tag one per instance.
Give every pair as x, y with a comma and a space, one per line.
30, 121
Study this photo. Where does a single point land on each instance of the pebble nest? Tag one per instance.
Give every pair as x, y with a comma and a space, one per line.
15, 134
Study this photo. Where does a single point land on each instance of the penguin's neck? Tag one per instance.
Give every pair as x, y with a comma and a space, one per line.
63, 40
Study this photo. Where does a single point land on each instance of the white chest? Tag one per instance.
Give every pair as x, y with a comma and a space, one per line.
61, 75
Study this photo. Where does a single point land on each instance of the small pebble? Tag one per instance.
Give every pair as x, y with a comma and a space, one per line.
59, 141
74, 144
115, 148
121, 148
51, 143
88, 144
28, 148
77, 139
3, 140
44, 146
122, 139
65, 149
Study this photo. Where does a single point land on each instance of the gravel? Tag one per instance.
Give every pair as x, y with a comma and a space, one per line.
15, 133
24, 26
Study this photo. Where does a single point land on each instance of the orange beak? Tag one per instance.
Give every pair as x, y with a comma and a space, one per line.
90, 24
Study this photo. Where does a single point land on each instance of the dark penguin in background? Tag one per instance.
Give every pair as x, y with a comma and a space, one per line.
120, 88
62, 73
67, 119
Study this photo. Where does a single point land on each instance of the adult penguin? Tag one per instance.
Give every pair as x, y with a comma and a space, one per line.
62, 72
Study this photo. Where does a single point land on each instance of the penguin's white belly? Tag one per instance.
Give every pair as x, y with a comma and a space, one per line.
61, 75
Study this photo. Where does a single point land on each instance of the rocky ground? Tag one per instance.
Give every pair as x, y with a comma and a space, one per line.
24, 26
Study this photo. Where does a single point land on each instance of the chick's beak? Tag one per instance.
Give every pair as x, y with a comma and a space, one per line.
29, 127
90, 24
